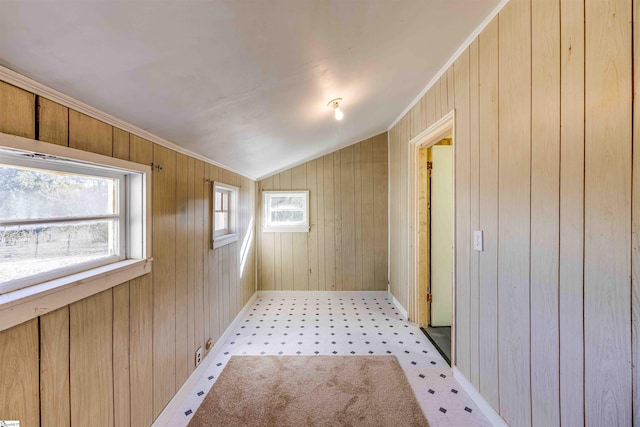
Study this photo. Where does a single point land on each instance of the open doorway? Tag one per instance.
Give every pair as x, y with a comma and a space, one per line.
438, 213
432, 237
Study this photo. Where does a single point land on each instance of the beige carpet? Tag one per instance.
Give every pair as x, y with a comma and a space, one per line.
310, 391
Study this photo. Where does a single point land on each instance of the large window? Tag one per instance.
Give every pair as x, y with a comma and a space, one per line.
285, 211
225, 218
59, 217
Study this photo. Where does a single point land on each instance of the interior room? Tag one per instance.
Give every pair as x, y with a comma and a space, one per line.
319, 212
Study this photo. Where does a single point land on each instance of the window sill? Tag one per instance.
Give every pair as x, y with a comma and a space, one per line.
225, 240
294, 229
25, 304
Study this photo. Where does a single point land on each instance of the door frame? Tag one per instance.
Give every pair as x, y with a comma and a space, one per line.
429, 137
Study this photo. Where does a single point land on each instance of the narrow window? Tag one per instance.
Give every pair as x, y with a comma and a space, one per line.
225, 214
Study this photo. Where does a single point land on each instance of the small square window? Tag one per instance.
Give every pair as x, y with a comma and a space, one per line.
225, 214
285, 211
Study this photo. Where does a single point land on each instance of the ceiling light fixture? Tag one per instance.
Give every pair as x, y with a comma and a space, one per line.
335, 104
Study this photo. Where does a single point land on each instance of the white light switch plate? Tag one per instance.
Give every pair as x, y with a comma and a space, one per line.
478, 244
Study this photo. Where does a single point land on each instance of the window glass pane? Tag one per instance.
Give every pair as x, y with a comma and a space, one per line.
221, 220
28, 250
218, 201
283, 202
27, 193
287, 217
225, 201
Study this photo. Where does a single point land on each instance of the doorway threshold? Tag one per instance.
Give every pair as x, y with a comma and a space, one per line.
440, 337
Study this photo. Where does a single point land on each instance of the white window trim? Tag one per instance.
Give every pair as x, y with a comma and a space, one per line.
28, 303
232, 235
298, 228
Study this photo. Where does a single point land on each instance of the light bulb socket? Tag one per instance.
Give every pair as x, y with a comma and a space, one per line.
335, 104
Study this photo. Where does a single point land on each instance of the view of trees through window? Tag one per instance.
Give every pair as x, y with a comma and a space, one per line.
50, 220
287, 209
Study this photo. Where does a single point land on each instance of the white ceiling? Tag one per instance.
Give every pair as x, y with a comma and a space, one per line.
245, 83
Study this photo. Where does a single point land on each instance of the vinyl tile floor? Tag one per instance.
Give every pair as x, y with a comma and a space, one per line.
343, 325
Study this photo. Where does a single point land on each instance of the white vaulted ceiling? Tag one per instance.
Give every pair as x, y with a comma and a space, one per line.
244, 83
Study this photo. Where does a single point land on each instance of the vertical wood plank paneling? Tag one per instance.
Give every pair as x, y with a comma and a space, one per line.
183, 352
200, 205
312, 185
430, 106
607, 269
277, 247
213, 315
91, 360
444, 91
401, 206
226, 283
436, 101
347, 219
286, 241
141, 350
337, 207
571, 295
121, 342
329, 224
55, 405
141, 320
164, 277
488, 263
416, 119
300, 254
89, 134
635, 232
19, 397
545, 222
450, 89
474, 193
17, 111
357, 194
422, 119
140, 150
267, 254
394, 164
98, 358
348, 207
514, 212
53, 122
321, 224
368, 212
380, 205
120, 144
191, 261
462, 157
233, 251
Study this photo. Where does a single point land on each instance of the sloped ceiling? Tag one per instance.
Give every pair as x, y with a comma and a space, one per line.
242, 82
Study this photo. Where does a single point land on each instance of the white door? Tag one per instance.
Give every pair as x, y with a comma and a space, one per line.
441, 235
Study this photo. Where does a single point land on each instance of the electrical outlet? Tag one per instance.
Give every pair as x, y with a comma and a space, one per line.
477, 241
198, 356
209, 344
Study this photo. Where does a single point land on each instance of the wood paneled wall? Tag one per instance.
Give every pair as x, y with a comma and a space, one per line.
547, 315
118, 357
346, 247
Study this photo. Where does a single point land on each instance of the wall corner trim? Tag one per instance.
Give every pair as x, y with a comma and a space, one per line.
16, 79
485, 407
399, 306
451, 60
